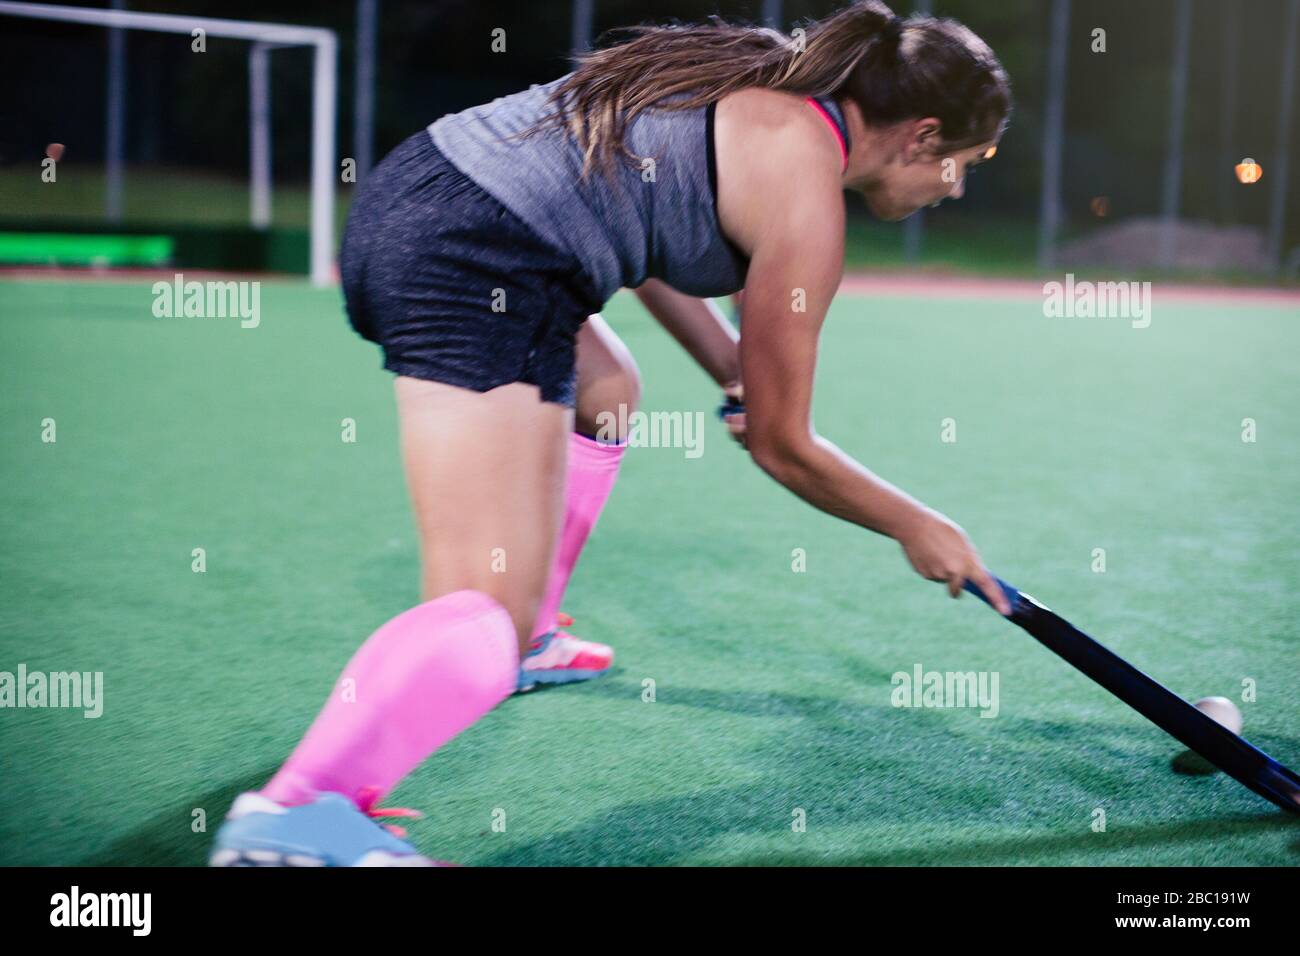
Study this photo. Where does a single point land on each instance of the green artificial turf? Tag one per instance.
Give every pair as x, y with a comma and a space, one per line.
771, 688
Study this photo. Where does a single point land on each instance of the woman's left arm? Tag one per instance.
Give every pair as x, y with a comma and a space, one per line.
699, 327
703, 331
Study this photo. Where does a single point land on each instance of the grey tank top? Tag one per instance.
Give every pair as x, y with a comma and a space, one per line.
657, 220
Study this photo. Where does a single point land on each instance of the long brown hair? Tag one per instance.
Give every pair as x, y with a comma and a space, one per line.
892, 69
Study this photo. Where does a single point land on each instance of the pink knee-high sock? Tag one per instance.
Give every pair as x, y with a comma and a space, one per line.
419, 680
593, 467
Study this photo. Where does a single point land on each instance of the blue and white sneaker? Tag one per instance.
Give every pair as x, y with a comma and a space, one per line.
557, 657
329, 831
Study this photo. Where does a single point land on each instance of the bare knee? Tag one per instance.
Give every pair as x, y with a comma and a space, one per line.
521, 603
610, 403
609, 382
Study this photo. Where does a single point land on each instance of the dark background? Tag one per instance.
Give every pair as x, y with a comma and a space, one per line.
191, 110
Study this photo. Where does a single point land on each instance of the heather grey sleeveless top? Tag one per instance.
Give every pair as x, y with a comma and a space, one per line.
656, 220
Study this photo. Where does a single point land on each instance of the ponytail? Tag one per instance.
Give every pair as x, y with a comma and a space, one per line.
893, 69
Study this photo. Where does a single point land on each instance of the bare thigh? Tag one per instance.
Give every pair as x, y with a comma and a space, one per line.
486, 476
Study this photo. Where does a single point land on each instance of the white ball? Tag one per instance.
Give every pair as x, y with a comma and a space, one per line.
1221, 711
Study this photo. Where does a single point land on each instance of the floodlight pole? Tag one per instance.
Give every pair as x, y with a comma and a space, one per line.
363, 87
1223, 176
1049, 213
584, 16
115, 119
914, 225
1174, 148
1280, 172
259, 139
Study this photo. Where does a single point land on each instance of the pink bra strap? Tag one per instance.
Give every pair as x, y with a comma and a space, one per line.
839, 137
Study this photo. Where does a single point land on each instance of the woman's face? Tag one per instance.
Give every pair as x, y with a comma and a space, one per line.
921, 172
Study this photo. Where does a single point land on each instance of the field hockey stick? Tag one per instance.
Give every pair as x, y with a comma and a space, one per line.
1229, 752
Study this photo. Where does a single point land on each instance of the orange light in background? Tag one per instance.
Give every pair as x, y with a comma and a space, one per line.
1100, 206
990, 152
54, 151
1249, 171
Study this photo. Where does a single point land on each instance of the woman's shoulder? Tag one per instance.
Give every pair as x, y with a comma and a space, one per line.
777, 126
767, 109
776, 160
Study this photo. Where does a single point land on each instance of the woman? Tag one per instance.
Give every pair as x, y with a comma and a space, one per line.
711, 157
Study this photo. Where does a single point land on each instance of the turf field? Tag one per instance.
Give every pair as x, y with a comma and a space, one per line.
772, 689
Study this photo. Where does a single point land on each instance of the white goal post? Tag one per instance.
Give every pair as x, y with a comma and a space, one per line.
324, 78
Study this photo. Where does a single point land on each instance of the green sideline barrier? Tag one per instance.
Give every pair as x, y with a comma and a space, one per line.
53, 248
224, 248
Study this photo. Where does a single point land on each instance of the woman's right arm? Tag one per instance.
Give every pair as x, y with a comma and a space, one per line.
778, 357
795, 239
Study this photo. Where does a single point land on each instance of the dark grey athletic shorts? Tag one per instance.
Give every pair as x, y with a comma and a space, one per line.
453, 286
